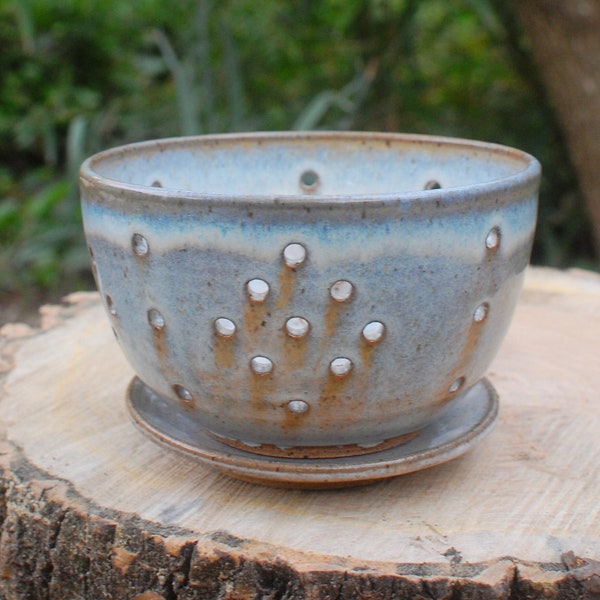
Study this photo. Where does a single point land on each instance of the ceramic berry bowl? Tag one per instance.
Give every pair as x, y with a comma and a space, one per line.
315, 309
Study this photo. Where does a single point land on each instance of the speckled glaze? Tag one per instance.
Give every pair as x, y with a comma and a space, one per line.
432, 234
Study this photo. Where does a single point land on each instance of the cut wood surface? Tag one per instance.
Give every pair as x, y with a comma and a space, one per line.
91, 508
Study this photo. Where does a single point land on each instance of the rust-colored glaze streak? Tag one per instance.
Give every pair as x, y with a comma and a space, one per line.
469, 348
292, 421
332, 315
260, 387
335, 406
140, 260
366, 353
254, 318
162, 352
294, 353
161, 349
223, 350
464, 359
471, 343
331, 398
287, 282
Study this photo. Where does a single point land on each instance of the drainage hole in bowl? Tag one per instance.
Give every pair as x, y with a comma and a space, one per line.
297, 327
481, 312
261, 365
309, 180
110, 305
456, 385
294, 255
341, 366
373, 332
341, 291
298, 407
140, 244
258, 290
225, 327
155, 319
432, 184
183, 393
492, 240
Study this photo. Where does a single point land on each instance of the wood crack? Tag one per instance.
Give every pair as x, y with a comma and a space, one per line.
179, 580
55, 528
584, 573
514, 588
340, 589
426, 591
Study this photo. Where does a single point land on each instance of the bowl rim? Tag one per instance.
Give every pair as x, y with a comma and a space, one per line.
526, 178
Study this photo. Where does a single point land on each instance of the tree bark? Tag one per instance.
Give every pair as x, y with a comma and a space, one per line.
565, 40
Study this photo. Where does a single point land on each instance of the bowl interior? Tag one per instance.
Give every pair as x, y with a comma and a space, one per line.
318, 164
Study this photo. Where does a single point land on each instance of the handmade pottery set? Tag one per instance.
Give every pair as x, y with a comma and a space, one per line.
311, 310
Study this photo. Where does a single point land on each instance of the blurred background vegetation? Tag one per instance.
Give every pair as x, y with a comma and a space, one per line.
77, 76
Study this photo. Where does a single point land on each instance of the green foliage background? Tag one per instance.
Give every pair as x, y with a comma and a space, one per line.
77, 76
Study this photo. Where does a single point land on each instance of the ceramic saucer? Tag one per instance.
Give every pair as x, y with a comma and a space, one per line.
465, 421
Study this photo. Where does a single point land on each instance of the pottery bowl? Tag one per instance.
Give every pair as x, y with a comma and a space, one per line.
325, 293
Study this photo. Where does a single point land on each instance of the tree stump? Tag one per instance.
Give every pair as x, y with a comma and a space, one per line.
91, 508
